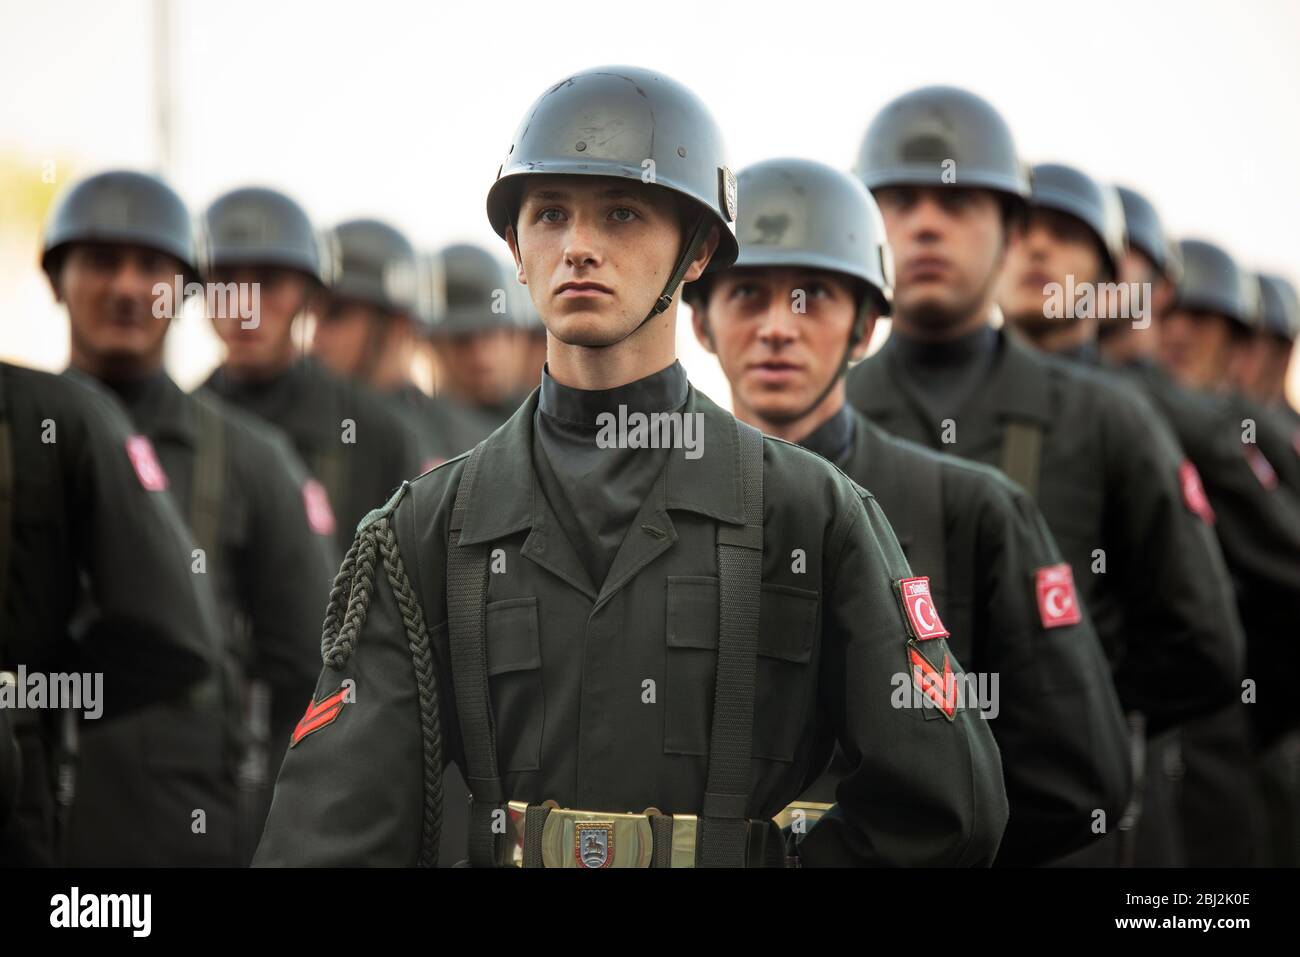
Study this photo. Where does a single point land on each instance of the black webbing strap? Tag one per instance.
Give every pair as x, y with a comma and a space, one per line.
724, 830
926, 553
467, 630
1022, 446
534, 827
6, 494
208, 479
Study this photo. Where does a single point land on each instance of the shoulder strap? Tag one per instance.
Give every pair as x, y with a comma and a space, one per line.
1022, 446
208, 481
6, 493
467, 570
724, 834
928, 547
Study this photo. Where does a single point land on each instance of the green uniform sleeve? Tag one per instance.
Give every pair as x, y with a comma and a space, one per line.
921, 789
154, 630
1058, 720
1184, 641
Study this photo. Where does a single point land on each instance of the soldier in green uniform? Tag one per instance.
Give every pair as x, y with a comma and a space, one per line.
799, 304
116, 247
374, 321
1074, 240
943, 168
351, 442
94, 578
638, 647
473, 332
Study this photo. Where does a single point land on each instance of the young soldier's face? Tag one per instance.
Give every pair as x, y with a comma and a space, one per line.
779, 334
345, 334
1195, 347
1052, 247
109, 291
265, 342
595, 253
948, 248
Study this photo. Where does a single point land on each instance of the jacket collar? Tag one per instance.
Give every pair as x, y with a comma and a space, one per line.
502, 501
1018, 385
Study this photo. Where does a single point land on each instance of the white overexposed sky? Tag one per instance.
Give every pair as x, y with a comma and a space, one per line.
404, 110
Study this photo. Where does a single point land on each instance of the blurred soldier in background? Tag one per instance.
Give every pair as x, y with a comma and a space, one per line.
473, 335
94, 579
811, 278
117, 248
639, 652
1073, 246
943, 167
349, 439
371, 325
1207, 341
1268, 355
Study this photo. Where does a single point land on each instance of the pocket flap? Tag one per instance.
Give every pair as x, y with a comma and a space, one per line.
787, 618
512, 641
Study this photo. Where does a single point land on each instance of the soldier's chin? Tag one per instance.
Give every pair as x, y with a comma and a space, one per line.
931, 312
590, 330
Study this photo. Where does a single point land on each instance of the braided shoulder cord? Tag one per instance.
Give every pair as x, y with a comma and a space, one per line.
356, 581
417, 638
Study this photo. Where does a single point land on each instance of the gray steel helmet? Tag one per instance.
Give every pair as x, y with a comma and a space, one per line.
1073, 192
120, 206
630, 123
467, 289
255, 226
1144, 231
374, 264
1211, 280
1279, 306
912, 139
803, 213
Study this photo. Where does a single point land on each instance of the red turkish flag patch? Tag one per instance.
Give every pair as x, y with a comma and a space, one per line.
319, 714
918, 607
317, 503
1058, 603
151, 475
939, 687
1194, 492
1261, 466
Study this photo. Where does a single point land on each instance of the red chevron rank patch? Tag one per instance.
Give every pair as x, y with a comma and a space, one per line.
939, 688
319, 714
1058, 604
918, 606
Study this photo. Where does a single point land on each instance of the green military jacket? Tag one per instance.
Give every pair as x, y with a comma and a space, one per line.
1014, 613
602, 700
1149, 568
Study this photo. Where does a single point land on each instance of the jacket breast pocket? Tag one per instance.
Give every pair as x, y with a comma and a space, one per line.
515, 682
784, 673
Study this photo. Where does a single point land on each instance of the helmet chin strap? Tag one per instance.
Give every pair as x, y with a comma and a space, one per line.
690, 249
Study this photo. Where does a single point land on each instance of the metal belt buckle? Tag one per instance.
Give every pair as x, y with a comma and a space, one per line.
590, 839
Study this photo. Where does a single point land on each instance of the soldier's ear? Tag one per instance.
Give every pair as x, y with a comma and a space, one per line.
513, 242
696, 269
859, 349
